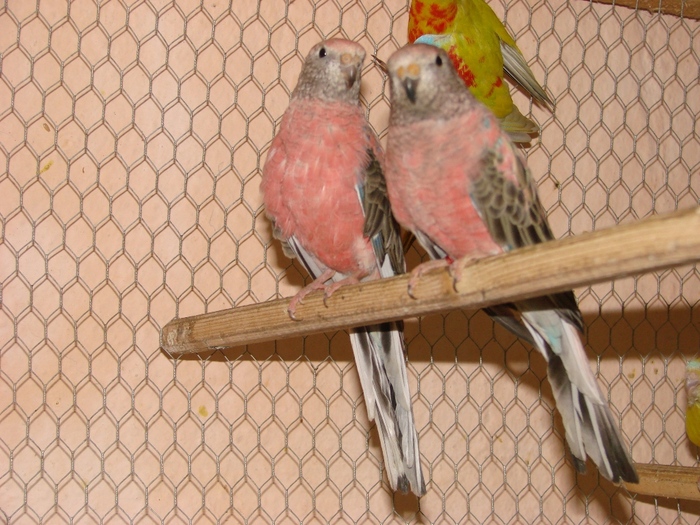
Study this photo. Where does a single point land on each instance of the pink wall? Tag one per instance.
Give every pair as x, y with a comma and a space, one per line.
129, 184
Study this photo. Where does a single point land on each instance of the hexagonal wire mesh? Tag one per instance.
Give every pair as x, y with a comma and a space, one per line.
132, 136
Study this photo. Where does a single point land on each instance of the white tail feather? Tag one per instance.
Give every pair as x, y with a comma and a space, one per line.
589, 425
379, 355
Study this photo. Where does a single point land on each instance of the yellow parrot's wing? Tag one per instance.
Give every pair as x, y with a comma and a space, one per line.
518, 126
481, 13
513, 60
515, 65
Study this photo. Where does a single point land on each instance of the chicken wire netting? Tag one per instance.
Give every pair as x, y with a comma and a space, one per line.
132, 136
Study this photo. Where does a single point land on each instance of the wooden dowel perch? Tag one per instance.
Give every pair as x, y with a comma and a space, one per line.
651, 244
687, 8
663, 481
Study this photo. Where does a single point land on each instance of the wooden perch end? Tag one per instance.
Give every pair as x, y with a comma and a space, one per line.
652, 244
686, 8
661, 481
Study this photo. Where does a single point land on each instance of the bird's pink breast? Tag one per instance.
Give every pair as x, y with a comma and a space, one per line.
309, 179
429, 171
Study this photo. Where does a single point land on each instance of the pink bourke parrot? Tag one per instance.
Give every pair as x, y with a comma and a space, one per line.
457, 182
324, 191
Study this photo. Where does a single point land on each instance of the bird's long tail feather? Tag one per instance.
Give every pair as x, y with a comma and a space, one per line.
590, 427
379, 355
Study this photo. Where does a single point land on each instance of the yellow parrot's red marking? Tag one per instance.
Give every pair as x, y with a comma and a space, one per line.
498, 83
443, 13
462, 68
439, 27
414, 34
416, 8
434, 20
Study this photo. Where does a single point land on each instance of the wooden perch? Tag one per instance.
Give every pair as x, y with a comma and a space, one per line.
652, 244
663, 481
687, 8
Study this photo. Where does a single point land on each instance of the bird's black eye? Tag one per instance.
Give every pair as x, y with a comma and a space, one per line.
322, 52
438, 60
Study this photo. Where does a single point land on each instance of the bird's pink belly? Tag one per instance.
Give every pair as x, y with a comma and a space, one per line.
452, 222
333, 233
466, 241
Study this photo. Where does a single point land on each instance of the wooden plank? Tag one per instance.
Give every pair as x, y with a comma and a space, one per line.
662, 481
686, 8
652, 244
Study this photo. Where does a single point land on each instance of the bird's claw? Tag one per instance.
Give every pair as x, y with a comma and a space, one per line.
298, 299
419, 270
332, 288
292, 308
455, 272
412, 283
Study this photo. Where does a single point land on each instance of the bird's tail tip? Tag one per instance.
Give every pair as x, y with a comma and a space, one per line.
606, 448
416, 486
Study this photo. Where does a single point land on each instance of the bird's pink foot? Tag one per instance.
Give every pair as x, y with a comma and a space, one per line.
455, 269
317, 284
332, 288
354, 278
419, 270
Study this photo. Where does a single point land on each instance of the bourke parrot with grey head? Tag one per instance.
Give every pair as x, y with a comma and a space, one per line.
324, 191
457, 182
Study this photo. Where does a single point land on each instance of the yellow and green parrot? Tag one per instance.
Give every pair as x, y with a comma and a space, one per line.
481, 49
692, 413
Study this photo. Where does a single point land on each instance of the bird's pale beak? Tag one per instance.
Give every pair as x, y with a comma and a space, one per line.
410, 85
410, 77
350, 67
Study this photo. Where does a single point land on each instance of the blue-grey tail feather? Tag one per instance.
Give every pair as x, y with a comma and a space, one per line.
621, 466
590, 427
379, 354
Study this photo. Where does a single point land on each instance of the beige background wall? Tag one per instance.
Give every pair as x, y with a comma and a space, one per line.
131, 138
